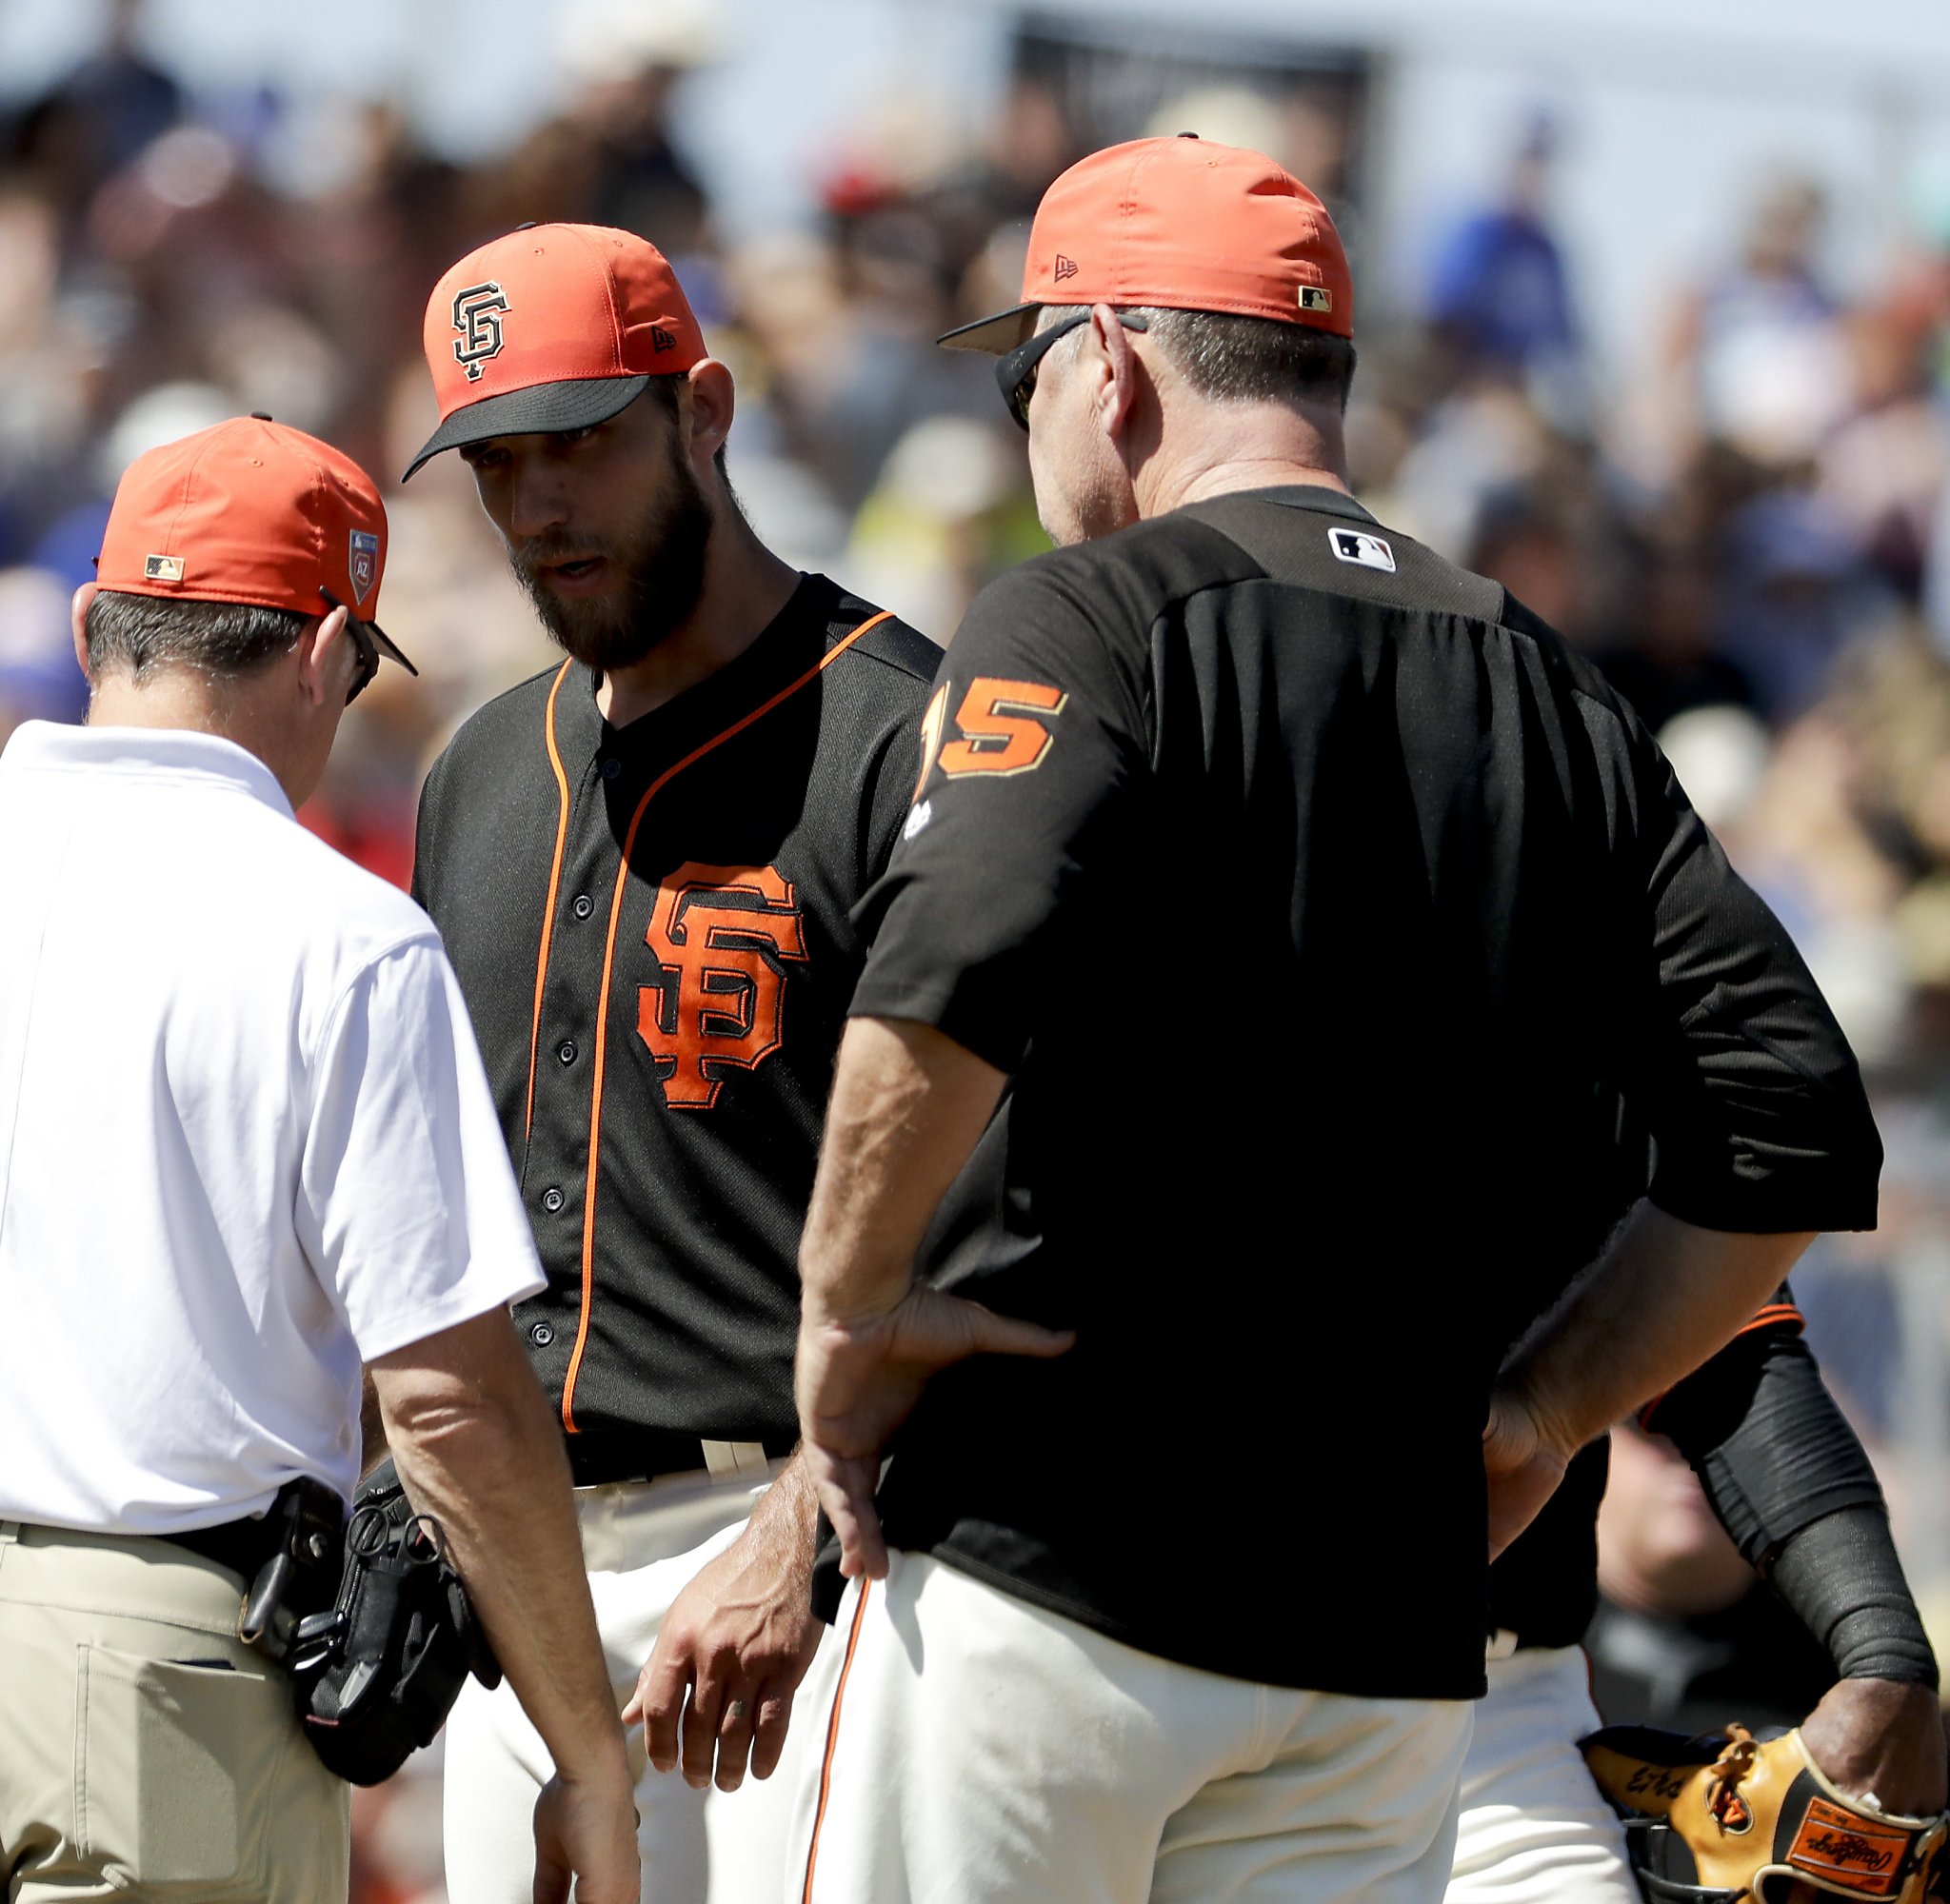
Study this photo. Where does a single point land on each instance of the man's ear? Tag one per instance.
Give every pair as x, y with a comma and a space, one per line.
77, 615
707, 416
1117, 369
323, 660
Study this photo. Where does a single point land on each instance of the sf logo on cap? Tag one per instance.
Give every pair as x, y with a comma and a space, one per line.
477, 314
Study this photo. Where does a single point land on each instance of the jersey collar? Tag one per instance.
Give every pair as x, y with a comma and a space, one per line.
143, 753
1316, 498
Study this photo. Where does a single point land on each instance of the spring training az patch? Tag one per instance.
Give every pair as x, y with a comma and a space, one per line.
1369, 551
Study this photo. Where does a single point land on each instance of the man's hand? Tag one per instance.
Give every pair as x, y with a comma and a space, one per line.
1522, 1466
737, 1640
857, 1381
585, 1835
1881, 1736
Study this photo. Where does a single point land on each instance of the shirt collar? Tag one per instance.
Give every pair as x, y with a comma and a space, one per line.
141, 753
1316, 497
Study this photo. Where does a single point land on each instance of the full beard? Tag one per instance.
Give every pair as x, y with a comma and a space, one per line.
663, 569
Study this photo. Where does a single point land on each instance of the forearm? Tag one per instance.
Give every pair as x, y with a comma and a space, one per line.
478, 1449
908, 1104
1663, 1297
372, 1426
1841, 1577
785, 1523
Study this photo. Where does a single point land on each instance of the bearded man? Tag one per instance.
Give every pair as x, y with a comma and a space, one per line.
644, 861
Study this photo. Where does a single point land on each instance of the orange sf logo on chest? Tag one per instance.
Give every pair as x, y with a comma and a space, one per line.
717, 931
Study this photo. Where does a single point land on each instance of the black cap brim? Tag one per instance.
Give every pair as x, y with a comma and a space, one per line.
383, 641
996, 334
574, 404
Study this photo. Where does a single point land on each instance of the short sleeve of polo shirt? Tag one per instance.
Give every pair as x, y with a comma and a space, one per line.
1728, 1050
406, 1204
1034, 740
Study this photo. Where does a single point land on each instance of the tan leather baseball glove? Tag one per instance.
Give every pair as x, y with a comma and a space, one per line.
1727, 1815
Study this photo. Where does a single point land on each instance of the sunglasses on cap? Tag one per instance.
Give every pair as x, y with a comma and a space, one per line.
1015, 370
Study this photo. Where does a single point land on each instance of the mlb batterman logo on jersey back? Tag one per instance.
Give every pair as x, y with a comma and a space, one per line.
1364, 550
477, 314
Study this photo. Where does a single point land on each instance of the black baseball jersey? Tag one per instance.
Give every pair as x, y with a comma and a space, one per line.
1323, 907
651, 925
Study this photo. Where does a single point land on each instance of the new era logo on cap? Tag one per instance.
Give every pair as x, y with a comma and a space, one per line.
1186, 224
1368, 551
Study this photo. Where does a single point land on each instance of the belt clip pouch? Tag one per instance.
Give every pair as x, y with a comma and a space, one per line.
378, 1674
299, 1577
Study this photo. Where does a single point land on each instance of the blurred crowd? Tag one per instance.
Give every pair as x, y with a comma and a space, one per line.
1748, 529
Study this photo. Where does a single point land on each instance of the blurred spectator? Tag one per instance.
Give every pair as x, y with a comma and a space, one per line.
95, 121
1761, 352
40, 679
1666, 660
1500, 291
1686, 1636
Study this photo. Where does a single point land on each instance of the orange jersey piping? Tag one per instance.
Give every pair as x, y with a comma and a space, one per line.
554, 886
1762, 1318
655, 788
825, 1769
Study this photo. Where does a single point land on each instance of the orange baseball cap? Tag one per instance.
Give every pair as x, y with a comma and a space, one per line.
555, 326
1184, 224
250, 511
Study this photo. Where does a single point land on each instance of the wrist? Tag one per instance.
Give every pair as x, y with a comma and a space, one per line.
846, 1312
1557, 1431
598, 1760
787, 1510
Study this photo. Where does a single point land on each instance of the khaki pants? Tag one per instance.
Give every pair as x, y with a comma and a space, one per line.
145, 1751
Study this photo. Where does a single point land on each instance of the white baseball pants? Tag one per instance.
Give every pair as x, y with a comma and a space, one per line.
642, 1542
1534, 1829
971, 1747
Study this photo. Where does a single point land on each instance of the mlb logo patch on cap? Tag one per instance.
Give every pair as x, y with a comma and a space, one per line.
162, 567
1313, 298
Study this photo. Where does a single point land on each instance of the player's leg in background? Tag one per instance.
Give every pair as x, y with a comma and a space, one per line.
1533, 1828
643, 1545
975, 1747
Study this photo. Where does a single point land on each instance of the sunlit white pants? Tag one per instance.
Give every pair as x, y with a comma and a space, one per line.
968, 1747
1534, 1829
643, 1541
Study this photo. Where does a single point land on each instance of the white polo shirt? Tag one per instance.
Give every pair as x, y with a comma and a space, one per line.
246, 1141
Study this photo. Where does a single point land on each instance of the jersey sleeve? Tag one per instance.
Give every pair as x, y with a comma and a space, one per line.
406, 1204
1032, 740
1727, 1049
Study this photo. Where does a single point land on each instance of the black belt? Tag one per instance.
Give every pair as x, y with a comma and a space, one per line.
242, 1546
642, 1454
